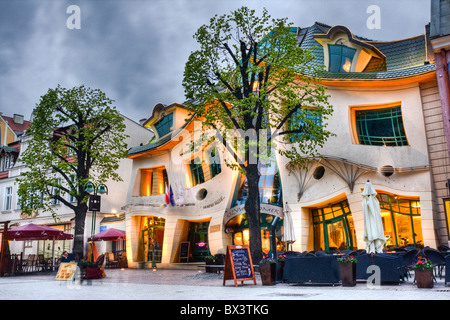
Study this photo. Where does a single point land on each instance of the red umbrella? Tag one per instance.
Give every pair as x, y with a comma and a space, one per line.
36, 232
108, 235
32, 231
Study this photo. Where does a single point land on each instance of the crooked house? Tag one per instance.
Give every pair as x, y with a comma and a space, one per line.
388, 128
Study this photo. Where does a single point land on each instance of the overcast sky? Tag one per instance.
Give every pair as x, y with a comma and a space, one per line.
135, 50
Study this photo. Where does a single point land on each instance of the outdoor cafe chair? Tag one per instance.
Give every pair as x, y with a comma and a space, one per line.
41, 262
408, 258
436, 258
30, 263
111, 261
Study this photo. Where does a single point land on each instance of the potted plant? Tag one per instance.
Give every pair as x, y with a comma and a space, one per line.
268, 269
210, 260
347, 270
280, 269
423, 272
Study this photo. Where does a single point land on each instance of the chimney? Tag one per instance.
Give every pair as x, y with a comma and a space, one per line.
18, 118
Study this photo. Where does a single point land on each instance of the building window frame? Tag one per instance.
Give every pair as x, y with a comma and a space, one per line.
196, 172
214, 161
165, 125
336, 212
8, 199
340, 58
303, 117
403, 208
56, 191
366, 129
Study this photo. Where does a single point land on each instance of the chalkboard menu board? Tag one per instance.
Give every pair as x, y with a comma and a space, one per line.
238, 265
184, 251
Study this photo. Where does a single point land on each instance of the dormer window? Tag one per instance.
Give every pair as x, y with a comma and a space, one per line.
344, 53
165, 125
341, 58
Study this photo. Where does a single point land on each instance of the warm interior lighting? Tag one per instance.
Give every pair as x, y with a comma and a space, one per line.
245, 233
347, 65
255, 86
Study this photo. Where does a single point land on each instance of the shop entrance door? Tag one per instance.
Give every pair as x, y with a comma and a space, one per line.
336, 235
152, 237
198, 237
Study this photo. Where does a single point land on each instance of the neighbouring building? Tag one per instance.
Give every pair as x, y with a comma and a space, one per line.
389, 129
439, 30
111, 214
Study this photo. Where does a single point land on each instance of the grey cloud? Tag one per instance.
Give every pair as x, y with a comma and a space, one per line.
135, 50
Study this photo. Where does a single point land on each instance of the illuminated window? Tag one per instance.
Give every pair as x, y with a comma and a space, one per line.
333, 227
153, 181
270, 190
341, 58
402, 221
151, 239
380, 127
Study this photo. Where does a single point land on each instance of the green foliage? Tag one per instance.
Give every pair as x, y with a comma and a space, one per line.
267, 260
245, 82
347, 259
422, 263
75, 136
250, 74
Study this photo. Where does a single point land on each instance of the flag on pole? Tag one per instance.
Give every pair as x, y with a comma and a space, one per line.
180, 196
172, 201
167, 195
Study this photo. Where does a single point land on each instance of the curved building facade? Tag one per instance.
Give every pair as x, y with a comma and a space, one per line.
387, 122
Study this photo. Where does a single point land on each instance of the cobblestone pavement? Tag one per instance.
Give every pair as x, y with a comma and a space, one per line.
165, 284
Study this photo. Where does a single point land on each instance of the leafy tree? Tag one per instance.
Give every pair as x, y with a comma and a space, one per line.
76, 136
250, 75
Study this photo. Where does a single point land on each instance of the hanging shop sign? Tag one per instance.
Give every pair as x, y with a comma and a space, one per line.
263, 208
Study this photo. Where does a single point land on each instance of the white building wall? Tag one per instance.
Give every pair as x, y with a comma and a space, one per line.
111, 203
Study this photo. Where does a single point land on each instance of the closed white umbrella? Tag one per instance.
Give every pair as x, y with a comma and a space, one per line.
373, 226
288, 223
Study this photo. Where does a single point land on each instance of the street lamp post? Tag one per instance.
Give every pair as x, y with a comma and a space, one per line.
94, 199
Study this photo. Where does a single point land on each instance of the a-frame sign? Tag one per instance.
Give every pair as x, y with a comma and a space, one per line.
238, 265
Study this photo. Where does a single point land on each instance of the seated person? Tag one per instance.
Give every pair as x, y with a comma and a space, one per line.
67, 257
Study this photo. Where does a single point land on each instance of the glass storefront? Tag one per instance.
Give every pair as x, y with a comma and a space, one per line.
270, 190
402, 220
151, 240
198, 238
241, 232
45, 247
333, 228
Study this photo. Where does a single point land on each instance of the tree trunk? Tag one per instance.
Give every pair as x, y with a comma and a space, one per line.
78, 241
253, 215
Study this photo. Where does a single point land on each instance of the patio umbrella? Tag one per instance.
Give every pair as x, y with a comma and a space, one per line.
110, 234
288, 223
373, 226
33, 231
